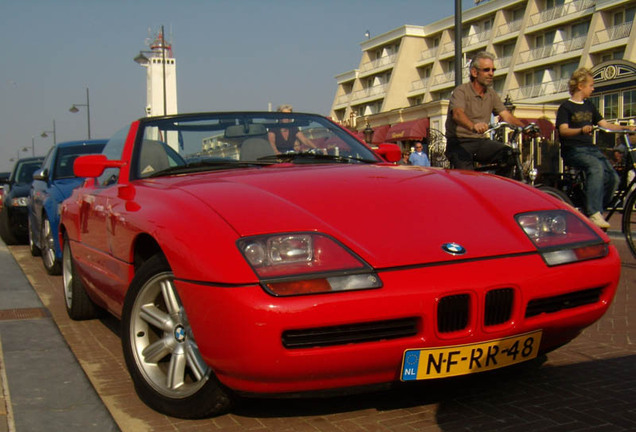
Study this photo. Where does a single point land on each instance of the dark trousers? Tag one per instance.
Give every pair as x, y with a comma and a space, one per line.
463, 153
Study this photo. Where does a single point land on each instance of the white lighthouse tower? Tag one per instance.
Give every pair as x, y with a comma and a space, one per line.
161, 77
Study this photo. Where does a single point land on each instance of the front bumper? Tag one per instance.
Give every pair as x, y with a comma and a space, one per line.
244, 333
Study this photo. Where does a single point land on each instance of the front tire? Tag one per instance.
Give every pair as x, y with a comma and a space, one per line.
163, 359
52, 265
35, 251
556, 193
6, 232
79, 306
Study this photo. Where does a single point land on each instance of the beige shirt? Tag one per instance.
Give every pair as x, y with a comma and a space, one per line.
477, 108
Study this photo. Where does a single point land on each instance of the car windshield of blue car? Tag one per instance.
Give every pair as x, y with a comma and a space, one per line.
191, 143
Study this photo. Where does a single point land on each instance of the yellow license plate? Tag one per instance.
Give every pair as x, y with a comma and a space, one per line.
428, 363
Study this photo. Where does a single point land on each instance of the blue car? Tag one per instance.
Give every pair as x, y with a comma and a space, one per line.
15, 195
52, 184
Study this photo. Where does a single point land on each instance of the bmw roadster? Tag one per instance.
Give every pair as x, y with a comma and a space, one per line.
241, 266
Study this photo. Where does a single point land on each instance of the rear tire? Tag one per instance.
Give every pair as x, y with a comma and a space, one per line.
629, 222
79, 306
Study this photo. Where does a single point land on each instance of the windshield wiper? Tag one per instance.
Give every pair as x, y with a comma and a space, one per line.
202, 166
298, 157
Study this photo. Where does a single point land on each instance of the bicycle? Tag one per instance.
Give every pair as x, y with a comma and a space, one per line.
624, 200
517, 170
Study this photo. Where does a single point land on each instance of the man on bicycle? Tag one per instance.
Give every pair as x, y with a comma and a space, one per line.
575, 120
471, 106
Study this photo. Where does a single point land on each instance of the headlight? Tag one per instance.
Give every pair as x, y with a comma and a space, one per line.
19, 202
562, 237
306, 263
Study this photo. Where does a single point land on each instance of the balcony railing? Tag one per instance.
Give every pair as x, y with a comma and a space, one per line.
553, 49
428, 53
420, 84
560, 11
475, 38
370, 91
343, 99
378, 63
503, 62
511, 27
543, 89
612, 33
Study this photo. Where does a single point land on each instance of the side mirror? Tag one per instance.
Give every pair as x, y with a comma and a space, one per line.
94, 165
41, 174
390, 152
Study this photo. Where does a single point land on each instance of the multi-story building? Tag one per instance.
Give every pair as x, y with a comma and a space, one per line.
405, 76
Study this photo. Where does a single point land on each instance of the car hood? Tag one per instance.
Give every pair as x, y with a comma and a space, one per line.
389, 215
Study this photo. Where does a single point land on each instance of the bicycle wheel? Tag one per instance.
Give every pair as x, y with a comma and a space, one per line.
629, 222
556, 193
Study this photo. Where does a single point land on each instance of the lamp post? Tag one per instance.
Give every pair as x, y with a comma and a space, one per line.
44, 135
142, 60
368, 134
74, 109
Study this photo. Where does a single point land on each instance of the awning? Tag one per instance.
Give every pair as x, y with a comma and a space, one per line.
379, 134
408, 131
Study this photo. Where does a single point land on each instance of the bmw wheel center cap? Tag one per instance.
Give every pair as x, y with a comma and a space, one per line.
179, 333
453, 248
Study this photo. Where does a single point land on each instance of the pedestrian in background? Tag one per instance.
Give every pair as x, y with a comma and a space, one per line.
418, 157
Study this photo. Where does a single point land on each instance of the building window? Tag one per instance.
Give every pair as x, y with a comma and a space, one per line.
610, 106
629, 103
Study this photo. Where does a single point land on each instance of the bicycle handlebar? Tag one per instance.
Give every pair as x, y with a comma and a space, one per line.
530, 128
622, 131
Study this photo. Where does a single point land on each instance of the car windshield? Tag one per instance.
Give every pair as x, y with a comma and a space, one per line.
191, 143
24, 171
67, 155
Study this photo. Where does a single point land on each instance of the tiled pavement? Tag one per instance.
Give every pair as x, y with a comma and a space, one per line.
587, 385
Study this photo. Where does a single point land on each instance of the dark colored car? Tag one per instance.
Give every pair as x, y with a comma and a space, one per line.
52, 184
13, 216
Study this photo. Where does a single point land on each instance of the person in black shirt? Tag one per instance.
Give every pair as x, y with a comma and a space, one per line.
575, 119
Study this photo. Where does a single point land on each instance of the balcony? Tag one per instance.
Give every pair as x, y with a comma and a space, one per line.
376, 92
566, 46
561, 11
503, 62
538, 90
381, 63
612, 33
420, 85
510, 27
428, 54
474, 39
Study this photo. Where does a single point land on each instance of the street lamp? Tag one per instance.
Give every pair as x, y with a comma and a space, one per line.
142, 60
74, 109
44, 134
509, 105
368, 134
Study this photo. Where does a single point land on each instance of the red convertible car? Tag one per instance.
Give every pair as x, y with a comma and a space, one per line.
274, 253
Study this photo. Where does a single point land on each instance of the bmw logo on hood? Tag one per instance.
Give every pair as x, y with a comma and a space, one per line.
453, 248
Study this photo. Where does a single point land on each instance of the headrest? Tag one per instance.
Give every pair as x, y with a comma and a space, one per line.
237, 131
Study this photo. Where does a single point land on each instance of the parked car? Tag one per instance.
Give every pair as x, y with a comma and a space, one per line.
51, 185
238, 269
13, 215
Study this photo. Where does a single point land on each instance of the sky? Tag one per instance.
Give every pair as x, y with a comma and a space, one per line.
230, 55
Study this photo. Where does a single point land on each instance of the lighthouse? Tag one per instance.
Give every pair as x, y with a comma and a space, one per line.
161, 77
